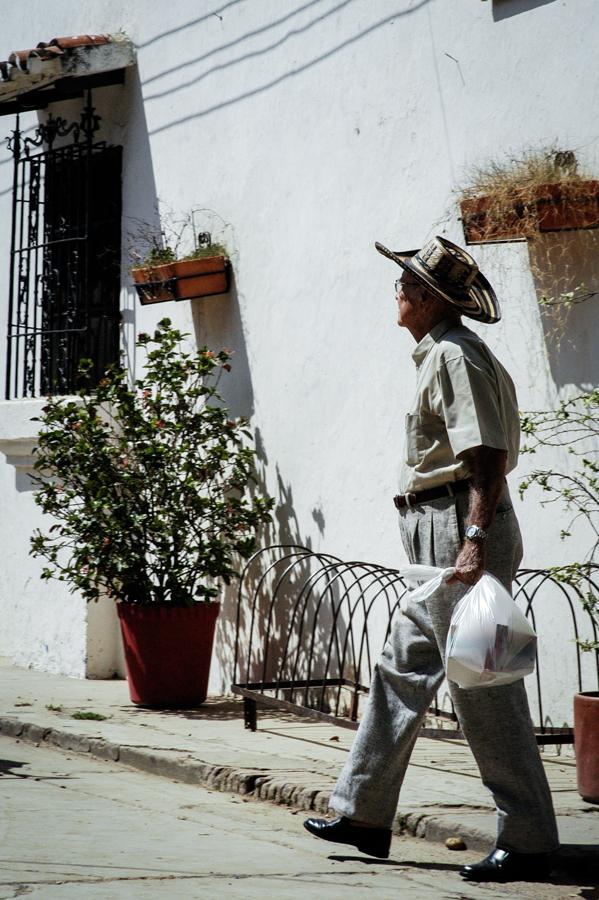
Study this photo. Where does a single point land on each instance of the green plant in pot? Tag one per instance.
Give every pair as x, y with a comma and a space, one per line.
575, 425
166, 273
150, 487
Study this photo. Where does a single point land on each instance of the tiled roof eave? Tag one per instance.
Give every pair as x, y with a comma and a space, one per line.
70, 58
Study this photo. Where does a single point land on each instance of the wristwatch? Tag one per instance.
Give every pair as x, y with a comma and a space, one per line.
474, 533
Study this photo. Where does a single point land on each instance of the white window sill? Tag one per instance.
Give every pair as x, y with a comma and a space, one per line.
18, 434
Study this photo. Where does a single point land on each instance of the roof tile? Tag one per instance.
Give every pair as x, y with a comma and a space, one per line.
60, 57
56, 47
80, 40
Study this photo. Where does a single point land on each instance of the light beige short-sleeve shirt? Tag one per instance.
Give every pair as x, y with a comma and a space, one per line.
464, 399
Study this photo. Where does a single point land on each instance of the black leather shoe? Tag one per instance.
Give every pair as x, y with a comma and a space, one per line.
372, 841
507, 865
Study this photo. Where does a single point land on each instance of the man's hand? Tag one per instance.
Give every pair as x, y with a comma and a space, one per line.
470, 564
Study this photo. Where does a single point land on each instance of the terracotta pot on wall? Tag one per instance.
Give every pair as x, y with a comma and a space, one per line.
182, 280
167, 652
201, 277
154, 283
564, 206
586, 744
479, 227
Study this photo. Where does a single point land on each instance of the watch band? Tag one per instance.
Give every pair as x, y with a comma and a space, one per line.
474, 533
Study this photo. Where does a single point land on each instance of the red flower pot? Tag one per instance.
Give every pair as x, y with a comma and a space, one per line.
168, 651
586, 744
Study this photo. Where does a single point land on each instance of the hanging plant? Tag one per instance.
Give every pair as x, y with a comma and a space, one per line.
179, 262
201, 273
523, 197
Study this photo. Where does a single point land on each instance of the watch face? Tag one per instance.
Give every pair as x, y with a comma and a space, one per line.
474, 532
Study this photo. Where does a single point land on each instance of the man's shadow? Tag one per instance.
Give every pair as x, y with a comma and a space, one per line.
576, 865
401, 863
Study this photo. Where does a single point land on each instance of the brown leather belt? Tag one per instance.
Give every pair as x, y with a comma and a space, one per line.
444, 490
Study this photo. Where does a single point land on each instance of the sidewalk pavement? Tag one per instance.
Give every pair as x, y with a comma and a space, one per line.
290, 760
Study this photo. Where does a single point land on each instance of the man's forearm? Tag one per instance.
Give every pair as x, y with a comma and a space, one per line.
486, 484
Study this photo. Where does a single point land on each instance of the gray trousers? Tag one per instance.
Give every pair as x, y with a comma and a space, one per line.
495, 721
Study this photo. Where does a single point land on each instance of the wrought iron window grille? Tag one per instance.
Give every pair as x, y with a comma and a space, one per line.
64, 277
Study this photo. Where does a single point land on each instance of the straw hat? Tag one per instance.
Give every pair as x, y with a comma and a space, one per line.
451, 274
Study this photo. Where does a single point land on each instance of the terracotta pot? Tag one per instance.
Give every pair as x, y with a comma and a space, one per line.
555, 207
568, 205
182, 280
586, 744
154, 283
168, 651
479, 228
201, 277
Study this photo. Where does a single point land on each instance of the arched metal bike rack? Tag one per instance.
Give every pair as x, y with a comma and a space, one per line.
305, 639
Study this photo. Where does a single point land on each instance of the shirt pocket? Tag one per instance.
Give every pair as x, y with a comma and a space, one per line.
424, 435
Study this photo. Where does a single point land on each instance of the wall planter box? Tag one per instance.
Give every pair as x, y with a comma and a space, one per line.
481, 227
569, 206
586, 744
560, 206
168, 651
184, 279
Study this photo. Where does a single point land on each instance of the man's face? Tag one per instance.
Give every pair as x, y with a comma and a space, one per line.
409, 292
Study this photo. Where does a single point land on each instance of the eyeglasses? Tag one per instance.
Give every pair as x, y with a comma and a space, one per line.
399, 284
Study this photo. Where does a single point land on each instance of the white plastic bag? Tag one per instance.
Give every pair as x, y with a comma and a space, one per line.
422, 581
490, 642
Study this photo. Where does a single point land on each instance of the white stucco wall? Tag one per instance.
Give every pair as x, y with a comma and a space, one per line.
315, 129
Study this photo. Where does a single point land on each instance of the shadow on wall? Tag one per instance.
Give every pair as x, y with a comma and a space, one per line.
276, 76
140, 203
290, 622
217, 324
505, 9
566, 264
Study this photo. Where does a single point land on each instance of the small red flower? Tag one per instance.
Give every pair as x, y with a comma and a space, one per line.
159, 423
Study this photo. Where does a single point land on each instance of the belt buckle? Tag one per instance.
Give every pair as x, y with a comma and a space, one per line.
409, 502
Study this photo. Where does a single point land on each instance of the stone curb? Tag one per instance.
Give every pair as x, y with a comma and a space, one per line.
257, 785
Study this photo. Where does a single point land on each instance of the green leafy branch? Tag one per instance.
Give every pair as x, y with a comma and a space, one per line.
573, 425
150, 485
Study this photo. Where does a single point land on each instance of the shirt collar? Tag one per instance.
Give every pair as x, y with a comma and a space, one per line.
424, 346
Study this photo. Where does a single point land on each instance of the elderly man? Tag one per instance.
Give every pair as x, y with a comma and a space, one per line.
462, 437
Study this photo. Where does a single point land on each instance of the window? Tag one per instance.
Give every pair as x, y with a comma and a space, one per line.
65, 257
